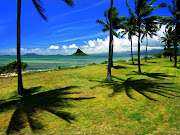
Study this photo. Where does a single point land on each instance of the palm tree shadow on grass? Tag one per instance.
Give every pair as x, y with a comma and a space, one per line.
154, 75
178, 67
142, 86
119, 67
27, 106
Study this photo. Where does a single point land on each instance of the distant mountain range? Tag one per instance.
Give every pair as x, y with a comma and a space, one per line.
30, 54
79, 52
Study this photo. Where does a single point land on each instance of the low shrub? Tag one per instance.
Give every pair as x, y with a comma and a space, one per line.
92, 64
134, 59
157, 55
105, 62
147, 58
59, 67
121, 61
12, 67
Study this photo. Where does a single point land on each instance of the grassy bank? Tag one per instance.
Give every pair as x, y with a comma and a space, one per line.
79, 101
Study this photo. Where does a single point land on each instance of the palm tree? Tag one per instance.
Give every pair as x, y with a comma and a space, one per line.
109, 77
143, 10
150, 28
167, 39
116, 21
130, 28
175, 21
40, 9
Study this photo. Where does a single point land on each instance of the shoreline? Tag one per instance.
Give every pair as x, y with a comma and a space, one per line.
7, 75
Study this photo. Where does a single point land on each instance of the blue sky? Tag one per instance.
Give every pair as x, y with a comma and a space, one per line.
67, 28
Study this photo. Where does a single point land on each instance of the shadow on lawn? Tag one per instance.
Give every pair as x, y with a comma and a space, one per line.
178, 67
142, 86
27, 106
153, 75
119, 67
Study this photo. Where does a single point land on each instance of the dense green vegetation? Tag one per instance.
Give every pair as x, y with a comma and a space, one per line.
12, 67
79, 54
80, 101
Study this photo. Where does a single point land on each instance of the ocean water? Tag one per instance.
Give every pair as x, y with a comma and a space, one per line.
43, 62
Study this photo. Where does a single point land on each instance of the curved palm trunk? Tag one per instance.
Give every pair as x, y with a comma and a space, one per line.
146, 48
175, 50
109, 78
112, 52
20, 85
132, 53
139, 36
175, 47
170, 58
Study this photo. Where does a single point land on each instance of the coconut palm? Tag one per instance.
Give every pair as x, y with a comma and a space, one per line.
150, 28
130, 28
116, 21
143, 10
109, 77
40, 9
167, 39
174, 20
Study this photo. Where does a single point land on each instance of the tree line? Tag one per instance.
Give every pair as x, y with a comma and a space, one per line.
142, 23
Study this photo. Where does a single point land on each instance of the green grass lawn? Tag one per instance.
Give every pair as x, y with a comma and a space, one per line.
80, 101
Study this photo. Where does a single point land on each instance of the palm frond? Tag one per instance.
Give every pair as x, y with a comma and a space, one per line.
130, 10
115, 33
38, 4
70, 3
105, 29
159, 6
102, 23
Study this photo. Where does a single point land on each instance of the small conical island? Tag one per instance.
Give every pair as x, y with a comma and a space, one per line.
79, 53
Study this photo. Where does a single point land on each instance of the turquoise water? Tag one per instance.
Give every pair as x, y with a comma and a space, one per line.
53, 61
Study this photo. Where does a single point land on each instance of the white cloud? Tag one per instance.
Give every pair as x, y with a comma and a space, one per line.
73, 46
91, 43
64, 47
53, 47
85, 46
93, 46
121, 44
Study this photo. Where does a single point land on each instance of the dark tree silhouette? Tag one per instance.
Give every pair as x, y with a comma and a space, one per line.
40, 9
116, 21
143, 10
130, 28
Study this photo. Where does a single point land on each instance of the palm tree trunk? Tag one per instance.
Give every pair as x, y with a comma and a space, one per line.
175, 53
170, 58
175, 48
20, 85
109, 78
112, 52
146, 48
132, 53
139, 36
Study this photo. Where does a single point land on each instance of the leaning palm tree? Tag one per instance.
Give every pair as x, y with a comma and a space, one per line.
40, 9
143, 10
116, 21
129, 28
150, 29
